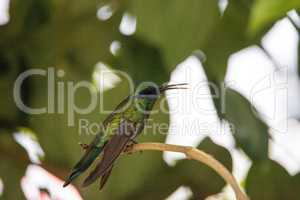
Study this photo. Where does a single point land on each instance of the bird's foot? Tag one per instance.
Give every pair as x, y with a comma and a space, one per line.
84, 146
134, 141
128, 148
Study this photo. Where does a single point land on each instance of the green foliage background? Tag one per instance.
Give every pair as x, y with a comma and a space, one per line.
67, 35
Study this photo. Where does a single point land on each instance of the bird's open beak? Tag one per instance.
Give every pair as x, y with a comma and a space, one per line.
163, 88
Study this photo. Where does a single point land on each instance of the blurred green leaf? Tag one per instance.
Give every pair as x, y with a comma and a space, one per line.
177, 27
78, 43
296, 182
228, 37
11, 175
265, 12
140, 60
18, 11
63, 36
270, 181
13, 164
8, 73
250, 133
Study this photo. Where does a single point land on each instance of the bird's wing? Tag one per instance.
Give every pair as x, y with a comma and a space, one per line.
117, 110
112, 149
104, 178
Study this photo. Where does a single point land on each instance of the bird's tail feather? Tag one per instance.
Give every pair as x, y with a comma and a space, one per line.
86, 160
104, 178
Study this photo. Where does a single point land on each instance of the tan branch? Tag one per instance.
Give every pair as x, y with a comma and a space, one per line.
195, 154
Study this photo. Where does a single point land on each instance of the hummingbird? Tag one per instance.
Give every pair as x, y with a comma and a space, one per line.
119, 131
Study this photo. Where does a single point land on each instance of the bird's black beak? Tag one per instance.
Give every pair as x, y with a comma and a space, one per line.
163, 88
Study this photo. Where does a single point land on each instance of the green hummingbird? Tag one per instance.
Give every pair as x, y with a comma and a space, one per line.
120, 129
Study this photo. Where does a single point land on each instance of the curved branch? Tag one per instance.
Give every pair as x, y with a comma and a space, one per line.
195, 154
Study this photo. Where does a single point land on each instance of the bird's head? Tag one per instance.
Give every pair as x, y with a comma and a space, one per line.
147, 96
153, 92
